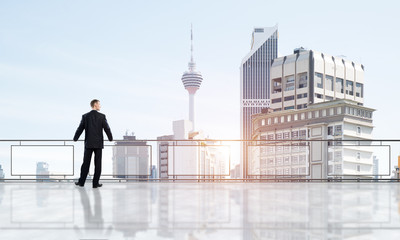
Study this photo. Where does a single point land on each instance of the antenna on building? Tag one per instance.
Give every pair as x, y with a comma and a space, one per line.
191, 42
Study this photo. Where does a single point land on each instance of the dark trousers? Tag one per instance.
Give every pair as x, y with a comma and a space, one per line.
87, 156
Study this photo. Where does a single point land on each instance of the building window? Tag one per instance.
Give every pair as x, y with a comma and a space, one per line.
324, 113
269, 121
278, 136
304, 95
282, 119
295, 160
309, 115
279, 161
271, 137
262, 122
295, 134
358, 130
339, 110
302, 116
302, 159
358, 168
338, 130
331, 111
339, 85
295, 117
328, 98
319, 80
317, 95
271, 162
358, 156
302, 80
287, 171
338, 156
349, 87
301, 106
289, 98
277, 85
302, 134
278, 149
289, 83
286, 149
275, 120
276, 100
286, 161
286, 135
359, 90
329, 82
290, 107
330, 130
289, 118
316, 114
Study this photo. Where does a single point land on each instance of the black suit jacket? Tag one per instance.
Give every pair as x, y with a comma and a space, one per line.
93, 123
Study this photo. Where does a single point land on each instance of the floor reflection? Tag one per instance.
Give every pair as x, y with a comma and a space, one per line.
201, 211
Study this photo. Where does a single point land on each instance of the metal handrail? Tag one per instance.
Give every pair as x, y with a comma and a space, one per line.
283, 178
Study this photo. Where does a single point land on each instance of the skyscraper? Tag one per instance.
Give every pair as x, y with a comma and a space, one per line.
255, 81
191, 80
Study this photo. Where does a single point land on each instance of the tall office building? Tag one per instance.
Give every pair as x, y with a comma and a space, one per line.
191, 80
306, 77
255, 81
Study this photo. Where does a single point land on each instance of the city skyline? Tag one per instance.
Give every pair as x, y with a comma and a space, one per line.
50, 59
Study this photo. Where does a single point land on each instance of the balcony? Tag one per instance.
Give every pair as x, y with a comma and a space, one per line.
276, 201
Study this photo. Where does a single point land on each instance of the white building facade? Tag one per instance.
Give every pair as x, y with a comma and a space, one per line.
187, 159
308, 77
308, 143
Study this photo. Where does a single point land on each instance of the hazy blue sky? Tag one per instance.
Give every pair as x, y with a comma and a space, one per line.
55, 56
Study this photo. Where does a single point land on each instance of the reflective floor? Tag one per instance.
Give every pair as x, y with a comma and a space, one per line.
200, 211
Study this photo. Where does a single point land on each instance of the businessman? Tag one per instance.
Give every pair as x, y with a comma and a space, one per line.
93, 123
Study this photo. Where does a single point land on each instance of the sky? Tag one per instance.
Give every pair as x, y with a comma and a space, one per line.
56, 56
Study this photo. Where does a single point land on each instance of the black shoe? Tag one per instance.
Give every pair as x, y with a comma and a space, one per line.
98, 185
77, 184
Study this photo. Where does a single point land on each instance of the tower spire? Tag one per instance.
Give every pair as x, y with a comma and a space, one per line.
191, 79
191, 42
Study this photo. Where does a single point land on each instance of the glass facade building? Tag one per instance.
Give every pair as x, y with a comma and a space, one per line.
255, 81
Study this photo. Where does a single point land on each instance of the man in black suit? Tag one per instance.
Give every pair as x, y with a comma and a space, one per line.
93, 123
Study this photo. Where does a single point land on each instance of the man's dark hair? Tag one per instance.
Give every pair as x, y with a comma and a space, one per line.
93, 102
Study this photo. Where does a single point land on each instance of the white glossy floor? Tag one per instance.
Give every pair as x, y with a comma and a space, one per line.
200, 211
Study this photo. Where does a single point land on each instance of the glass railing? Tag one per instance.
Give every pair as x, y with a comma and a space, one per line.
211, 160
